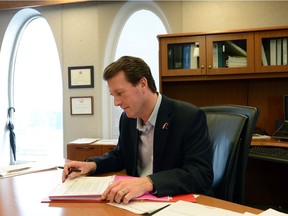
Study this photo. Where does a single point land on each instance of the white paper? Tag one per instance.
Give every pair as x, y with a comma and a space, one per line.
85, 140
82, 186
259, 136
184, 208
107, 142
141, 207
249, 214
25, 168
272, 212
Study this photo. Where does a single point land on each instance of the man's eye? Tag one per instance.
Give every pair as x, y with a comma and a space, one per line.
118, 94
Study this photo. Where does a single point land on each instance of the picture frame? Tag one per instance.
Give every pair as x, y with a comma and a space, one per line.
81, 77
81, 105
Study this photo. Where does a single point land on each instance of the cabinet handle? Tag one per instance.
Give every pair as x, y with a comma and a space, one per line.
85, 148
209, 66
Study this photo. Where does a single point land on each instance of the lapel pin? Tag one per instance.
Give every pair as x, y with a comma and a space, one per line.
165, 126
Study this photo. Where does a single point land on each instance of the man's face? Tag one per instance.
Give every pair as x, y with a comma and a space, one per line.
127, 96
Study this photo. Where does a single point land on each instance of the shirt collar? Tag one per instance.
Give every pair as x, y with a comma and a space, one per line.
153, 116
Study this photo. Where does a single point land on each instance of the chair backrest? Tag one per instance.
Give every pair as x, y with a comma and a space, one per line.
232, 183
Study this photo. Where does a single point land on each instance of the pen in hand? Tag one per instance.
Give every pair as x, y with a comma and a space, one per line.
70, 169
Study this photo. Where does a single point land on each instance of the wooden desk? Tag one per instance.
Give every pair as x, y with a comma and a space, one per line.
22, 195
269, 142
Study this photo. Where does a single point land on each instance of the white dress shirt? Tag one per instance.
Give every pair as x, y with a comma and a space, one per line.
145, 155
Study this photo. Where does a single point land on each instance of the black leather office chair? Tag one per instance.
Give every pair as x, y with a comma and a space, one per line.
230, 164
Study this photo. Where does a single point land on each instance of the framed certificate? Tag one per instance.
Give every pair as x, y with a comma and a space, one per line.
81, 105
81, 77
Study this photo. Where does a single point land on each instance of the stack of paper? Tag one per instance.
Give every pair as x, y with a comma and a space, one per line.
85, 140
236, 61
91, 188
25, 168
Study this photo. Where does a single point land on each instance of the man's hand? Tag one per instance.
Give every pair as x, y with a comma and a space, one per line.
83, 167
126, 189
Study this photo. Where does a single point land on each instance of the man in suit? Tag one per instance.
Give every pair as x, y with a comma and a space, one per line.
163, 142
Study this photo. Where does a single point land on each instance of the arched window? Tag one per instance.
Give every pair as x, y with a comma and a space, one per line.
35, 88
138, 38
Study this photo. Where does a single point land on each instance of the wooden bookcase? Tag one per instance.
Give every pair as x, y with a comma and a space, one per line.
250, 81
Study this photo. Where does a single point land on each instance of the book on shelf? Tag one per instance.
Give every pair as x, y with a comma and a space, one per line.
273, 51
284, 51
190, 56
178, 56
170, 56
215, 55
237, 56
183, 56
264, 57
194, 56
186, 55
279, 51
221, 49
234, 50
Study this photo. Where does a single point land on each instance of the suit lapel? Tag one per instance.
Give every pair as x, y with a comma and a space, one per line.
161, 132
135, 139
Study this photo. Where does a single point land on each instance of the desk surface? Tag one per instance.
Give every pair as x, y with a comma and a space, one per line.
269, 142
262, 149
22, 195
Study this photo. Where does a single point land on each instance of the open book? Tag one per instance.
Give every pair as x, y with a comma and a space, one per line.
91, 188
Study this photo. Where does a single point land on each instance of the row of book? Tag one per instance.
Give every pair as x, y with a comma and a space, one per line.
274, 51
228, 54
183, 56
225, 54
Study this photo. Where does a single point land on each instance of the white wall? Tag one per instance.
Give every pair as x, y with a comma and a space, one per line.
230, 15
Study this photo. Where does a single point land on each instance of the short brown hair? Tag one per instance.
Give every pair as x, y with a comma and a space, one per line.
134, 69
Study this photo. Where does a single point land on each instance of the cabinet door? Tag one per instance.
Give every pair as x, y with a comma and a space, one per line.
230, 53
182, 56
271, 51
81, 152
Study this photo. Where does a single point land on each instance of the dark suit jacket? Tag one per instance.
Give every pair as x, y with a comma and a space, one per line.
182, 150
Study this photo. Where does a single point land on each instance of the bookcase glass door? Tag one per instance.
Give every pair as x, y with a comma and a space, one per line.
229, 54
274, 51
183, 56
271, 48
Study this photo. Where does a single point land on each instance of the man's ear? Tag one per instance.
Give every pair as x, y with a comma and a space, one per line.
143, 82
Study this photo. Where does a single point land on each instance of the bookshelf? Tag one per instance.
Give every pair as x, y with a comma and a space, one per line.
273, 55
248, 81
230, 53
185, 56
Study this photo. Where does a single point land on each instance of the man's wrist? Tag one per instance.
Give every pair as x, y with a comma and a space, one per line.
154, 191
92, 168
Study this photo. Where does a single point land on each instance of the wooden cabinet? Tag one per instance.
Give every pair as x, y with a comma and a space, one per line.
82, 151
254, 53
191, 55
272, 53
254, 83
230, 53
182, 56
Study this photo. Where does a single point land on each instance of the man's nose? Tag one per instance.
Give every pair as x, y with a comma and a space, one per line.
117, 102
